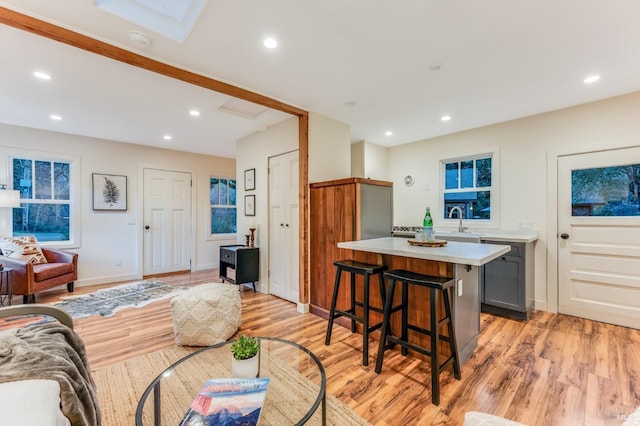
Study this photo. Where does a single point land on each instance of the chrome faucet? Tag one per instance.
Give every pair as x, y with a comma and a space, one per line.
460, 227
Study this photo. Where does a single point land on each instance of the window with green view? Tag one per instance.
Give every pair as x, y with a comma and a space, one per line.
468, 184
606, 191
45, 187
223, 206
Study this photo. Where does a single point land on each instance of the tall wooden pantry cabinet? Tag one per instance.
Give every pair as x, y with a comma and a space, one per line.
343, 210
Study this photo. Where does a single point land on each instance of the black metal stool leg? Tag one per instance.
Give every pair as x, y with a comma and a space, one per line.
383, 296
352, 309
435, 336
365, 315
334, 299
386, 316
405, 317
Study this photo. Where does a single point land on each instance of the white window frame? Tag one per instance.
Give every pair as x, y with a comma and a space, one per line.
212, 206
74, 193
494, 221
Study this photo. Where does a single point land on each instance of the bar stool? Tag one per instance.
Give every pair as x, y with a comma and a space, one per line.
366, 270
436, 286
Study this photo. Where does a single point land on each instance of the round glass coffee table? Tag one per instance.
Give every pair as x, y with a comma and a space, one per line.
297, 384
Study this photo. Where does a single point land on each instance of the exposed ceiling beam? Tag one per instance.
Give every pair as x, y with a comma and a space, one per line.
36, 26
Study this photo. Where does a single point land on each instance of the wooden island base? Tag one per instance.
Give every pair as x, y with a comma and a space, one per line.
457, 260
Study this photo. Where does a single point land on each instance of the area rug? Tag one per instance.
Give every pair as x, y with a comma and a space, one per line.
106, 302
121, 385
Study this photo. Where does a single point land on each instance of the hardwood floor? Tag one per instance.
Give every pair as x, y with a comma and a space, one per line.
550, 370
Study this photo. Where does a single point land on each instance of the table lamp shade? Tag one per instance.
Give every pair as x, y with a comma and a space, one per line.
9, 198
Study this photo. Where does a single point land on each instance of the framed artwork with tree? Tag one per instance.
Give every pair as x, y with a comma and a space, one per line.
109, 192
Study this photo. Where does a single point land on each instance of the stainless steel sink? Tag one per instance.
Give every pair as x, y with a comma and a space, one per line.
465, 237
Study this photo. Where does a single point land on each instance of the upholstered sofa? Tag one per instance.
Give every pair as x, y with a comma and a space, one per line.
45, 377
29, 278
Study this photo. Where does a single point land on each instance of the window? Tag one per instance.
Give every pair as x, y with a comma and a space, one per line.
607, 191
223, 206
468, 185
45, 198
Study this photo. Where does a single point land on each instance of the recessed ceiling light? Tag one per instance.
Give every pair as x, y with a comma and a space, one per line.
42, 75
55, 117
446, 118
388, 133
167, 137
194, 112
592, 79
271, 43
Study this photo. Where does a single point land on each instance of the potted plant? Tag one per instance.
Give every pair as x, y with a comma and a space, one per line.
246, 360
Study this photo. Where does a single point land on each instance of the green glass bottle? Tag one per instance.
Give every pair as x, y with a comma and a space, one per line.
427, 226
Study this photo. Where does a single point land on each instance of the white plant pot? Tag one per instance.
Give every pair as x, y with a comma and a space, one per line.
247, 368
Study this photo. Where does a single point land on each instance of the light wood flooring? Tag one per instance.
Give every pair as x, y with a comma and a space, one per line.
550, 370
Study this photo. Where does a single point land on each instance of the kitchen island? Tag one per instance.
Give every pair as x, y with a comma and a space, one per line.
459, 260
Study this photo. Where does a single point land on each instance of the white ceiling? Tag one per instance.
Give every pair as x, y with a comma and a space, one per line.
364, 62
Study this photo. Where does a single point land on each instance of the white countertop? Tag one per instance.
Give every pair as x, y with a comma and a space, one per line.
492, 235
453, 252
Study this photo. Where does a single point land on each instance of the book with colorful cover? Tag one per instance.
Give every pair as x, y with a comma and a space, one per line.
226, 402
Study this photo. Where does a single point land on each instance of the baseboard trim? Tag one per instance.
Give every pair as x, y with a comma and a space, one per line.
107, 279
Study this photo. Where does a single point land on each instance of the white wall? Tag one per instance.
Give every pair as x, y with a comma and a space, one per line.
357, 159
523, 146
253, 152
106, 235
329, 149
369, 160
375, 161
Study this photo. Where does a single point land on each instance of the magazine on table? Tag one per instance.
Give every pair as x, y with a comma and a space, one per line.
224, 402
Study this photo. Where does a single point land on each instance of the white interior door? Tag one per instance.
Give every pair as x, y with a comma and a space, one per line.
167, 221
284, 227
599, 236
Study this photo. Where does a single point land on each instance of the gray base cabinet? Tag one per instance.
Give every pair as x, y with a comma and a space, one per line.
508, 282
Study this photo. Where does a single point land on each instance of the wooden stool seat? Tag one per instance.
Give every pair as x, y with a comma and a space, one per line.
436, 286
366, 270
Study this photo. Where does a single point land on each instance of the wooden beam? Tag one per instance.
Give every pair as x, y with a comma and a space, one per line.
45, 29
303, 138
72, 38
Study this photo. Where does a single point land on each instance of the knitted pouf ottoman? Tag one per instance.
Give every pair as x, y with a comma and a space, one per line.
206, 314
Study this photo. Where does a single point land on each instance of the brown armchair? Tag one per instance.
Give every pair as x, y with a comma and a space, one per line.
30, 278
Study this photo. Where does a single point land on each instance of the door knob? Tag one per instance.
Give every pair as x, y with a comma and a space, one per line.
564, 236
146, 227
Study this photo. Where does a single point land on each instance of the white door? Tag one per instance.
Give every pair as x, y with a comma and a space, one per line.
167, 221
284, 228
599, 236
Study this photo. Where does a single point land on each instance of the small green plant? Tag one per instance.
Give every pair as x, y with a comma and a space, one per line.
245, 347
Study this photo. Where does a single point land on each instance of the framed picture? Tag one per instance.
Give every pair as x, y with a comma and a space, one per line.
109, 192
249, 205
250, 179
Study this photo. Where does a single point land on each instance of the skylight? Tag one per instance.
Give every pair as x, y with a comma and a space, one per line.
172, 19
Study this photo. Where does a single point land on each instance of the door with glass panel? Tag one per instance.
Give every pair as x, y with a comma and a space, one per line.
599, 236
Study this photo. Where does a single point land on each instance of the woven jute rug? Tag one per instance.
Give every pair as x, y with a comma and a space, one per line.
121, 385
